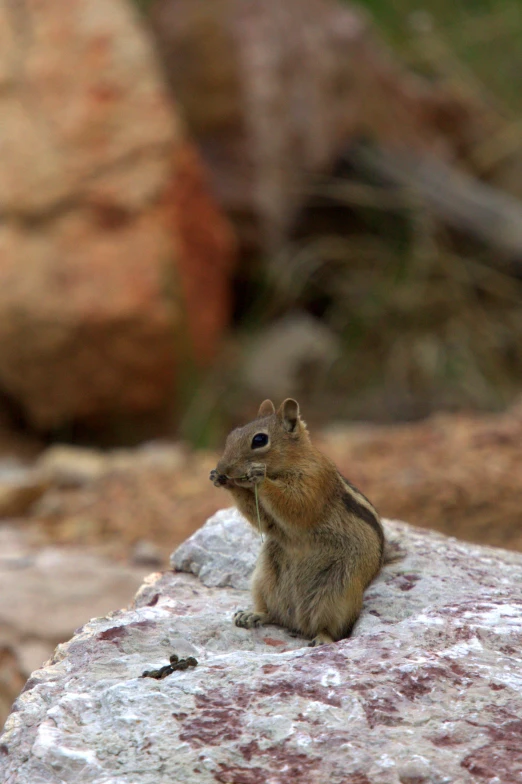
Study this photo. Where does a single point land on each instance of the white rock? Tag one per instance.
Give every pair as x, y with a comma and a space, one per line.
428, 689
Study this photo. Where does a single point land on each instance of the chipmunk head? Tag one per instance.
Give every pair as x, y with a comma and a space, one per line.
273, 438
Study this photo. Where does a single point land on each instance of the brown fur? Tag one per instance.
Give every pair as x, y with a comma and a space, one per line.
323, 539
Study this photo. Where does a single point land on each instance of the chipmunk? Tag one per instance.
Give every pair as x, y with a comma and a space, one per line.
324, 542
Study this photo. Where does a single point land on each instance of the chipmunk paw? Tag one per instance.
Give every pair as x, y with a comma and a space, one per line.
250, 620
255, 473
218, 480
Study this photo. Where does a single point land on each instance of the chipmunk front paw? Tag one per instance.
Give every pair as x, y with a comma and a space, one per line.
218, 480
250, 620
255, 473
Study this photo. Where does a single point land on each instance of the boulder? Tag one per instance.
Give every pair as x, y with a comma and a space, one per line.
292, 353
20, 488
101, 194
428, 688
45, 594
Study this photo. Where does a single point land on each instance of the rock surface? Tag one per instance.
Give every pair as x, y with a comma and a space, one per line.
97, 254
428, 689
44, 595
290, 353
19, 488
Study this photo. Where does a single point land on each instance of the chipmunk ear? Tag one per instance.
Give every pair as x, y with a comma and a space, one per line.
266, 408
289, 414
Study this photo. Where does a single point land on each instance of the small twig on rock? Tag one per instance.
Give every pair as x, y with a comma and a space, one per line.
175, 664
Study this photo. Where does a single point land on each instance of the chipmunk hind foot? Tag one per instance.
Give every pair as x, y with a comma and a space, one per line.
323, 638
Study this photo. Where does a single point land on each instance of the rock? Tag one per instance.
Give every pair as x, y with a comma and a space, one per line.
72, 466
205, 254
67, 466
222, 553
273, 93
32, 655
20, 488
288, 356
12, 679
159, 491
146, 553
100, 197
55, 590
44, 596
159, 455
428, 689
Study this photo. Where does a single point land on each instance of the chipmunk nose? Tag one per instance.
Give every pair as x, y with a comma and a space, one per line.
223, 467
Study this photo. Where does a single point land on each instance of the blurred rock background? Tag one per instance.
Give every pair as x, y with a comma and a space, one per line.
205, 204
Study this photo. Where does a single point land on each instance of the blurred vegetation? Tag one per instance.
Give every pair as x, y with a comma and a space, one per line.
426, 319
423, 325
143, 5
481, 37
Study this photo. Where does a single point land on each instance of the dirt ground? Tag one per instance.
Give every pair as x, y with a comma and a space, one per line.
459, 474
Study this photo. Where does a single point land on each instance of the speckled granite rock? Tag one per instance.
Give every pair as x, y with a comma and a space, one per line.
429, 688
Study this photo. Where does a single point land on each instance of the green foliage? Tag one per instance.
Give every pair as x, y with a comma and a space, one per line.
482, 36
200, 401
143, 5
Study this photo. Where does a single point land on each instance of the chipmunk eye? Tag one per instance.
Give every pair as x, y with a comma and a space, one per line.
260, 439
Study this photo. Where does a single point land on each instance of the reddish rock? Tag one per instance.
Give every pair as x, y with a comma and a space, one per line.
204, 275
98, 261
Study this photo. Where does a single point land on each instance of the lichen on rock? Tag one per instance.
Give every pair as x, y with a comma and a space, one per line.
428, 688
